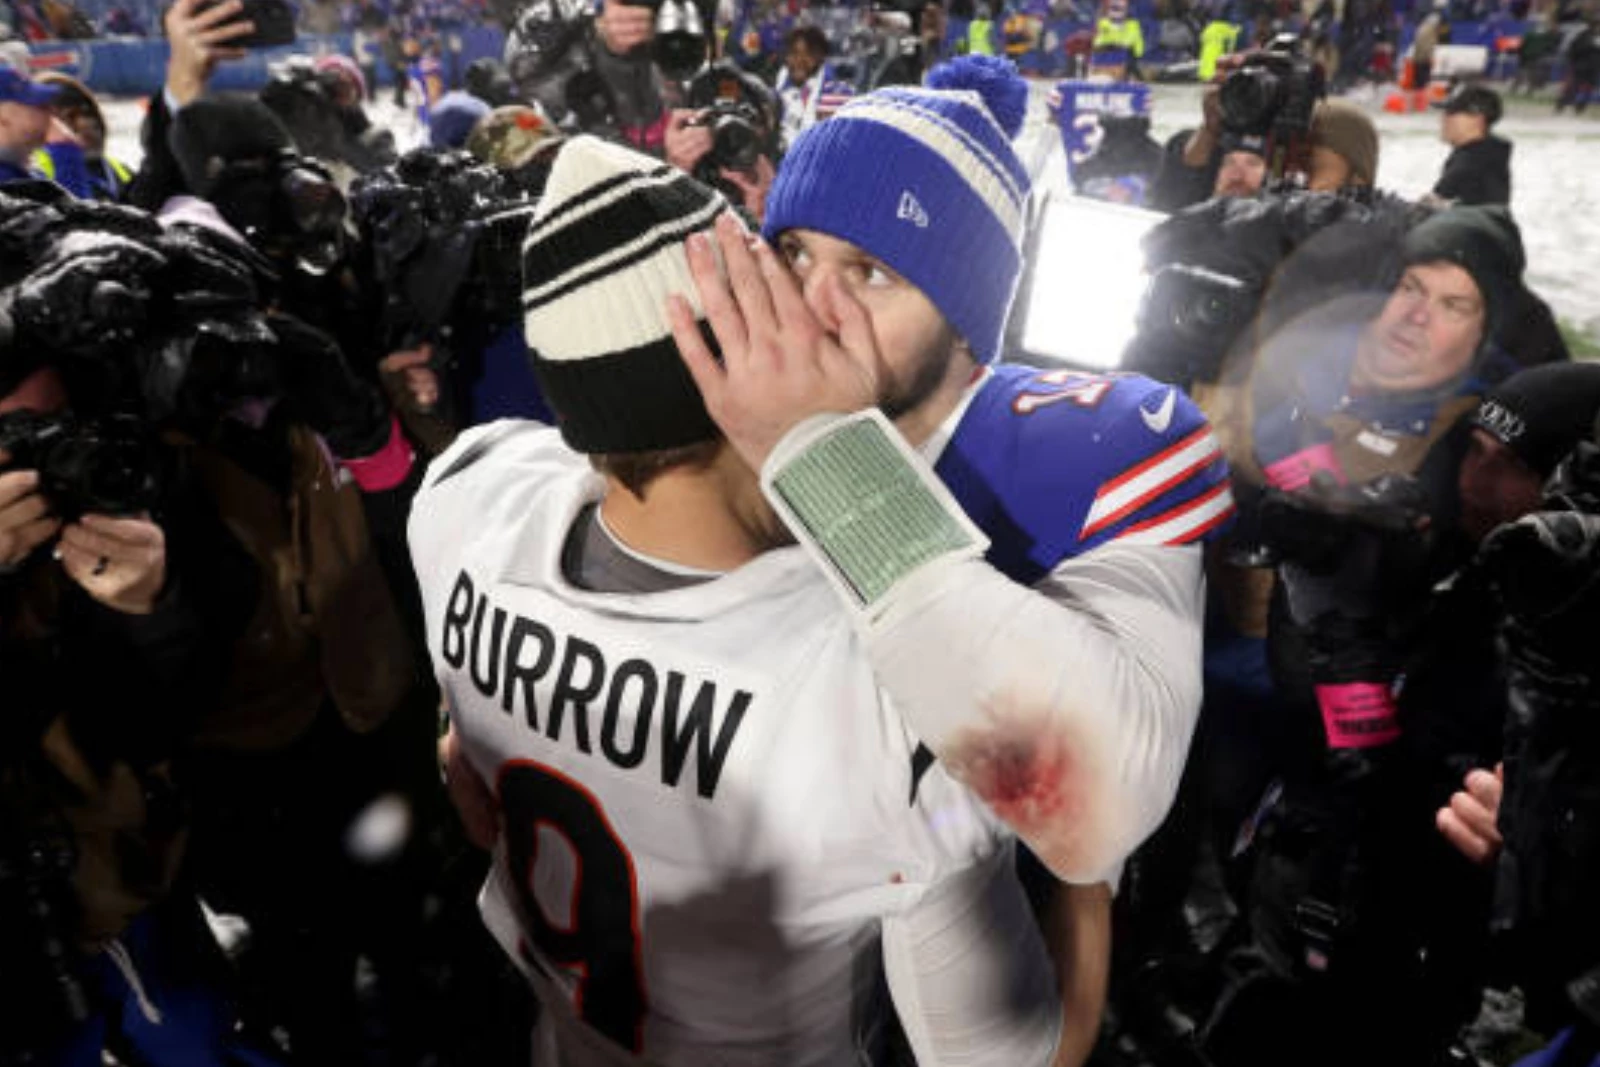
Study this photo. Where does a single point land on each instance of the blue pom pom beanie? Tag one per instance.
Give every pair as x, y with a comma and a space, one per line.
926, 181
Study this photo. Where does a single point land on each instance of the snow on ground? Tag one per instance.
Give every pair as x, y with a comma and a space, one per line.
1555, 176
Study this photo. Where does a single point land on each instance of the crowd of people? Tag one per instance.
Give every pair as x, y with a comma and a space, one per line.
602, 589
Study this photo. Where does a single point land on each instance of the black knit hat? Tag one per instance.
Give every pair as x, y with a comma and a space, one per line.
1542, 413
1484, 242
603, 253
1253, 143
214, 131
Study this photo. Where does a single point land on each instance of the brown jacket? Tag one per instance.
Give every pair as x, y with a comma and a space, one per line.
324, 626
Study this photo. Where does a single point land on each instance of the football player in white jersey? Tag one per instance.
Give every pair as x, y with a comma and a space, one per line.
740, 781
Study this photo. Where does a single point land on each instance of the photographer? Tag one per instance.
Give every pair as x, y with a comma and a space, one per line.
731, 137
110, 658
1531, 822
1340, 140
641, 95
1359, 431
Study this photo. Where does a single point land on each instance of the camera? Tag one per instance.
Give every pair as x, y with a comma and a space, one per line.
1273, 93
106, 467
1189, 318
680, 44
273, 19
736, 137
288, 206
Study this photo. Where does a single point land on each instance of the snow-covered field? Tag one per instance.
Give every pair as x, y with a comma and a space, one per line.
1555, 177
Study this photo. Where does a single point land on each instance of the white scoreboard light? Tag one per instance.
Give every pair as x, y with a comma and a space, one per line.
1083, 279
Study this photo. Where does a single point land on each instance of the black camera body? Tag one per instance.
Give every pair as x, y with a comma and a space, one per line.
1274, 94
1189, 319
736, 138
274, 23
107, 467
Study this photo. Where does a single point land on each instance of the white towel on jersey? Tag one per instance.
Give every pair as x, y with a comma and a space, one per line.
711, 810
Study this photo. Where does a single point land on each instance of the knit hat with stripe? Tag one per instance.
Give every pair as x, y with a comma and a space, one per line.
604, 251
926, 181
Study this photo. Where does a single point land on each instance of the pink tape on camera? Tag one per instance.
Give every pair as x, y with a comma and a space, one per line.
1358, 714
1294, 471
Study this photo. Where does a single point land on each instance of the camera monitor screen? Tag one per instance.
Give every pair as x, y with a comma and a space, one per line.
1078, 302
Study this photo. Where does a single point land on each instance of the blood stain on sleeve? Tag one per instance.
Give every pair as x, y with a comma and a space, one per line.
1027, 776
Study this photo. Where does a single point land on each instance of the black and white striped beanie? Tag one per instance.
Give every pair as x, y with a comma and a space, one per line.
604, 251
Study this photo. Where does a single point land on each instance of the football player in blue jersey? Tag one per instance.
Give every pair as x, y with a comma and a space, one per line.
891, 255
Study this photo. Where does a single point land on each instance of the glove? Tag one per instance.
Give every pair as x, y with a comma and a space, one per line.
320, 390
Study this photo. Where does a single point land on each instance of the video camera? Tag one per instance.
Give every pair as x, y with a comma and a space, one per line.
1274, 94
106, 467
289, 207
549, 60
445, 235
1189, 319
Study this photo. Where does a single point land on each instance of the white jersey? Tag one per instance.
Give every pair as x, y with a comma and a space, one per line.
710, 808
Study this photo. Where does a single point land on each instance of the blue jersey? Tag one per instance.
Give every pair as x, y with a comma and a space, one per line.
1050, 464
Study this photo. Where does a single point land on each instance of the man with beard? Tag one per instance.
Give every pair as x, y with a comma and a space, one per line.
805, 761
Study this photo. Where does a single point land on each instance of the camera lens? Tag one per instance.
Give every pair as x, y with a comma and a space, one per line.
1249, 99
736, 144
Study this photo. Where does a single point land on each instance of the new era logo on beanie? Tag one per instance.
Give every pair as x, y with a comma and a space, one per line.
604, 252
926, 181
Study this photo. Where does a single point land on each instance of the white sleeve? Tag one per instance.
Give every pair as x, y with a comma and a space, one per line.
1067, 707
970, 976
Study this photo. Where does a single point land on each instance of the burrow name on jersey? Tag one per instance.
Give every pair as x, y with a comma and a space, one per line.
634, 708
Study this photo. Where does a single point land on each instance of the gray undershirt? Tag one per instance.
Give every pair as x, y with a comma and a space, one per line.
593, 560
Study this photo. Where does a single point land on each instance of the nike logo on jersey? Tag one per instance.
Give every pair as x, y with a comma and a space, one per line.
634, 709
1161, 418
911, 211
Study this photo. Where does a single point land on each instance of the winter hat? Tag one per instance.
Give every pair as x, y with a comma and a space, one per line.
214, 131
1483, 241
512, 137
1474, 100
1253, 143
925, 180
452, 119
342, 66
1542, 413
16, 87
604, 251
1343, 127
72, 93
